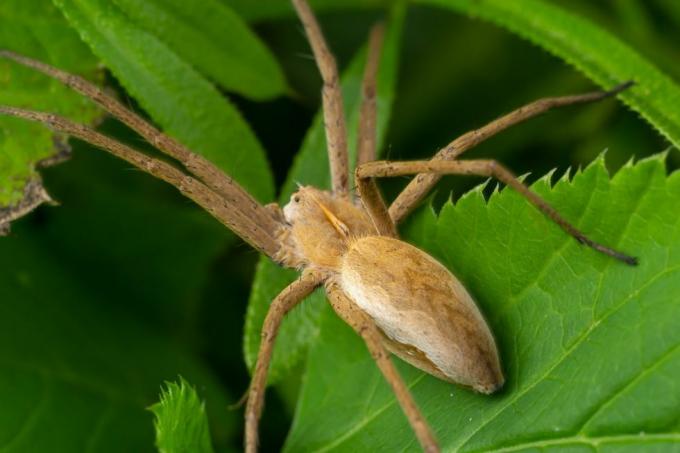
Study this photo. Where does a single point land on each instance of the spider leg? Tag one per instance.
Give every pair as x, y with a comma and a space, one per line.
196, 164
488, 168
366, 143
416, 190
367, 329
223, 209
334, 115
291, 296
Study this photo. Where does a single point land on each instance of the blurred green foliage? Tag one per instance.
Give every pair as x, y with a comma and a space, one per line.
139, 286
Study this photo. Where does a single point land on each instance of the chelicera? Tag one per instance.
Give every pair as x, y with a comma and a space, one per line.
395, 296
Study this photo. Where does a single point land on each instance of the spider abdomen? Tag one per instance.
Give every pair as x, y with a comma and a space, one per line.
425, 313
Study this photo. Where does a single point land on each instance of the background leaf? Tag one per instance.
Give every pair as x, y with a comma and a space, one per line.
589, 346
36, 29
186, 105
78, 373
272, 9
591, 49
112, 217
300, 328
181, 422
231, 54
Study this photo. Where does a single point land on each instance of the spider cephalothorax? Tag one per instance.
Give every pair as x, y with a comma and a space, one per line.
317, 225
395, 296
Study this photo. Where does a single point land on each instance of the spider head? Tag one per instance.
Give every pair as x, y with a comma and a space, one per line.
304, 203
321, 225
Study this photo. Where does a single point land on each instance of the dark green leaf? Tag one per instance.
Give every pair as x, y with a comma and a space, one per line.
274, 9
119, 225
230, 54
311, 168
185, 104
77, 374
601, 56
591, 347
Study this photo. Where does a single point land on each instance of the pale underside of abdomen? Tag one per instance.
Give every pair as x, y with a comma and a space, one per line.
426, 314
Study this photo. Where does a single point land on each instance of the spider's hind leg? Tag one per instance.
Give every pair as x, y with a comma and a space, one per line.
366, 141
369, 332
291, 296
333, 110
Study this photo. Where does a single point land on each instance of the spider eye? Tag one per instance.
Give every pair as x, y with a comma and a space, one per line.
296, 199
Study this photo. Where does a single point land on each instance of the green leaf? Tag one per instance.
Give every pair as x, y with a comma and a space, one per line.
77, 373
181, 422
37, 29
590, 347
158, 247
231, 54
598, 54
275, 9
185, 104
311, 168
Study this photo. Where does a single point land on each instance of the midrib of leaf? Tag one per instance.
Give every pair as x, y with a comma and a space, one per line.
592, 441
591, 49
643, 373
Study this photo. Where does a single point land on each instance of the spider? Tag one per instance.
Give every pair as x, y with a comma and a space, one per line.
395, 296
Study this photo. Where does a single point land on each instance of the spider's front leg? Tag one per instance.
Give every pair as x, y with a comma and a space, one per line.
418, 188
366, 173
290, 297
226, 211
199, 166
333, 110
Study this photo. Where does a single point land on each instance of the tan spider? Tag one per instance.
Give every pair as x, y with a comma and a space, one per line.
396, 297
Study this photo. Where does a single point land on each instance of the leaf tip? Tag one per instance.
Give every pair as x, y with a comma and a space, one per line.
180, 419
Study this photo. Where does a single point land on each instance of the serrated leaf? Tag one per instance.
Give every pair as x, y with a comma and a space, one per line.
76, 373
601, 56
590, 347
311, 168
181, 422
36, 29
231, 54
185, 104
